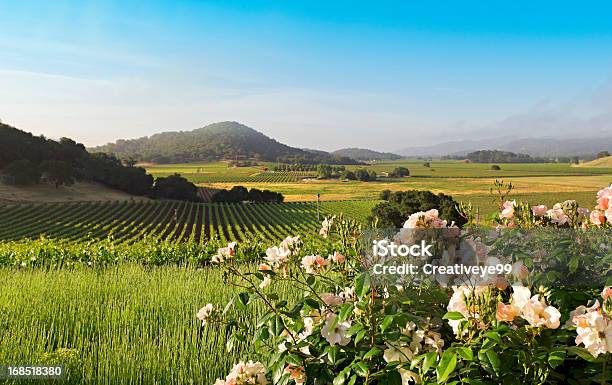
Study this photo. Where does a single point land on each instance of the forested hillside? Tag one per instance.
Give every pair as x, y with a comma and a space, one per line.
28, 159
365, 154
224, 140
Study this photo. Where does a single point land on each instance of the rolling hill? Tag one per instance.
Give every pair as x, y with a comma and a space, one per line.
605, 162
365, 154
217, 141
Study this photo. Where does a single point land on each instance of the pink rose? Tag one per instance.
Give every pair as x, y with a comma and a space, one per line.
539, 211
606, 292
597, 217
604, 198
507, 210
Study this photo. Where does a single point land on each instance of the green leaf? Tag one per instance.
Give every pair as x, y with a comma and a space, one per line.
465, 353
280, 304
387, 321
345, 311
273, 296
352, 380
494, 360
359, 336
310, 280
573, 263
339, 380
262, 334
494, 336
276, 326
361, 369
243, 300
447, 365
362, 284
429, 361
556, 357
354, 330
332, 354
293, 359
311, 302
394, 378
371, 353
453, 315
581, 352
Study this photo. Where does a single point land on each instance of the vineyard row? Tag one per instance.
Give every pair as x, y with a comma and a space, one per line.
127, 221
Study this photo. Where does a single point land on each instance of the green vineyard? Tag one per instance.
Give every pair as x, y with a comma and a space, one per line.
260, 177
129, 221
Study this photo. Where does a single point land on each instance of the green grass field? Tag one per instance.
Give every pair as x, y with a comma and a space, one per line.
128, 325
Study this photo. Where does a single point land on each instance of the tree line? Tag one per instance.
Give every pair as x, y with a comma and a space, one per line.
26, 159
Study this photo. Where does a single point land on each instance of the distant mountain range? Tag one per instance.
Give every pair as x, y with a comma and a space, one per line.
543, 147
232, 140
223, 140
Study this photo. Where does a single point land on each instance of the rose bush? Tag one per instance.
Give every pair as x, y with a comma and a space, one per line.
345, 329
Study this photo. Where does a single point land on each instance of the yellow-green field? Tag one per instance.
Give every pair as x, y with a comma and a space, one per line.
545, 183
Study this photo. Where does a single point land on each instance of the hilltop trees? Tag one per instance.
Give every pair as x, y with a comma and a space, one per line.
496, 156
22, 172
223, 140
57, 171
24, 157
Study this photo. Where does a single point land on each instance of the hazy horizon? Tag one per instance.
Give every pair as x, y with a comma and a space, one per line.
384, 75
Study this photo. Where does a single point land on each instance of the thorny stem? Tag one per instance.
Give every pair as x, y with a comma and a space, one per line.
263, 297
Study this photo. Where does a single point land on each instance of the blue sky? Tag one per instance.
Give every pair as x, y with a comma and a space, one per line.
327, 74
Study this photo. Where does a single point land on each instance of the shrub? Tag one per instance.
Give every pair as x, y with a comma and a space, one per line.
348, 175
399, 172
365, 175
242, 194
495, 167
400, 205
384, 195
348, 328
175, 187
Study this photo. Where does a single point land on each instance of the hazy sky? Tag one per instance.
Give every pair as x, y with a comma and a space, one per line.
326, 75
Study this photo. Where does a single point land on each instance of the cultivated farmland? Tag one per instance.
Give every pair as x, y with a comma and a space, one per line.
128, 221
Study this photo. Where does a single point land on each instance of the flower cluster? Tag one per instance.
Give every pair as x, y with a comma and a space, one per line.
462, 295
335, 332
425, 220
277, 258
316, 264
326, 225
250, 373
603, 210
532, 309
562, 214
349, 328
224, 253
418, 341
594, 325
